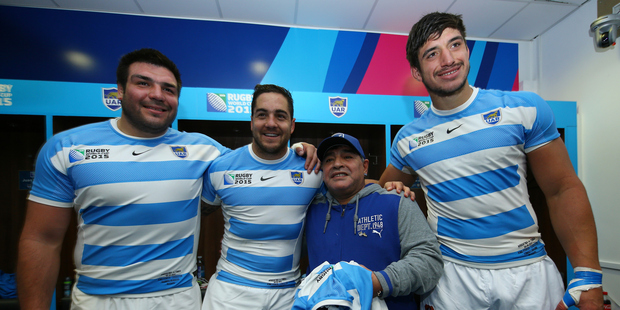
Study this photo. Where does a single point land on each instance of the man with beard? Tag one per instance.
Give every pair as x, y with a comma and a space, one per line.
264, 192
470, 151
135, 184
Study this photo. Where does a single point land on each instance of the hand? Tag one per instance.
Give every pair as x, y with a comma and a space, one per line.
589, 300
309, 151
400, 187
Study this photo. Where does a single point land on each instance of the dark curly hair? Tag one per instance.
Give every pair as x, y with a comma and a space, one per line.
149, 56
260, 89
431, 26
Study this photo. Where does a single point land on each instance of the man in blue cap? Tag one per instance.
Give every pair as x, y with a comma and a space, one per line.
383, 231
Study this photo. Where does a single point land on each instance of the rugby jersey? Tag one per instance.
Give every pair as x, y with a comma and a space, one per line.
471, 162
137, 202
264, 204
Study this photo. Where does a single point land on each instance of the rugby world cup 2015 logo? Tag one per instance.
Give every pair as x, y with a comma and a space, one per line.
297, 177
419, 107
76, 155
179, 151
492, 117
216, 102
110, 98
229, 178
338, 106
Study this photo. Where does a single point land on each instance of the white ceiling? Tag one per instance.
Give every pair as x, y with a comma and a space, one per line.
511, 20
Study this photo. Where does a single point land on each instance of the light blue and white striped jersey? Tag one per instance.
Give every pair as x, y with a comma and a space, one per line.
472, 166
346, 286
264, 204
137, 202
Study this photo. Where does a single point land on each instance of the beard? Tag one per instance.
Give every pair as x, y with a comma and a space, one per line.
138, 121
445, 92
271, 150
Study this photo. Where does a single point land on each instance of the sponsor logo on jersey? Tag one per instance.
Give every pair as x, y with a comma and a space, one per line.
338, 106
237, 178
421, 140
229, 179
492, 117
297, 177
76, 155
419, 107
110, 98
179, 151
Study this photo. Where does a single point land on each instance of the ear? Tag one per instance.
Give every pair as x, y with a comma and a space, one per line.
292, 125
416, 74
121, 91
366, 163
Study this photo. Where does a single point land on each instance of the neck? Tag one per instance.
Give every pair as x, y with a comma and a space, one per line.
266, 155
452, 101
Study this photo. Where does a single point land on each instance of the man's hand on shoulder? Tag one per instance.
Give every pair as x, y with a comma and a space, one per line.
400, 187
308, 151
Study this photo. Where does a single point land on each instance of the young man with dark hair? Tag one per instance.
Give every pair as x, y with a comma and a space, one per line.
264, 192
470, 151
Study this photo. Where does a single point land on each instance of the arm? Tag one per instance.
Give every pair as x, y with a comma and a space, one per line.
420, 265
393, 174
38, 259
570, 211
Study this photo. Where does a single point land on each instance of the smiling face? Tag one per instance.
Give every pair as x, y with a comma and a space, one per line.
343, 172
444, 64
271, 125
149, 100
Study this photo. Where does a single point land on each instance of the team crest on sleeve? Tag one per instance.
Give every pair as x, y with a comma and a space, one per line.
110, 98
338, 106
179, 151
297, 177
76, 155
492, 117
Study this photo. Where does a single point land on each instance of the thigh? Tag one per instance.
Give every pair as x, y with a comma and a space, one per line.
460, 287
535, 286
282, 299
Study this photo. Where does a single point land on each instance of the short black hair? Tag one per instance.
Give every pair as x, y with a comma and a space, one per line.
149, 56
431, 26
260, 89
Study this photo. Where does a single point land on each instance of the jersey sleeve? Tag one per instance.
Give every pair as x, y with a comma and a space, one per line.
543, 129
52, 185
397, 153
209, 194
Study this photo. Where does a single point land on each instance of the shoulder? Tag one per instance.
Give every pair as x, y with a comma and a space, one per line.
193, 138
377, 193
232, 156
518, 98
86, 133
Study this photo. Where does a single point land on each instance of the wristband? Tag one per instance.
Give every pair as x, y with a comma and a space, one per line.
585, 280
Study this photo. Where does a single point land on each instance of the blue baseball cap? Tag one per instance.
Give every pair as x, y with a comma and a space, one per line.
339, 139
